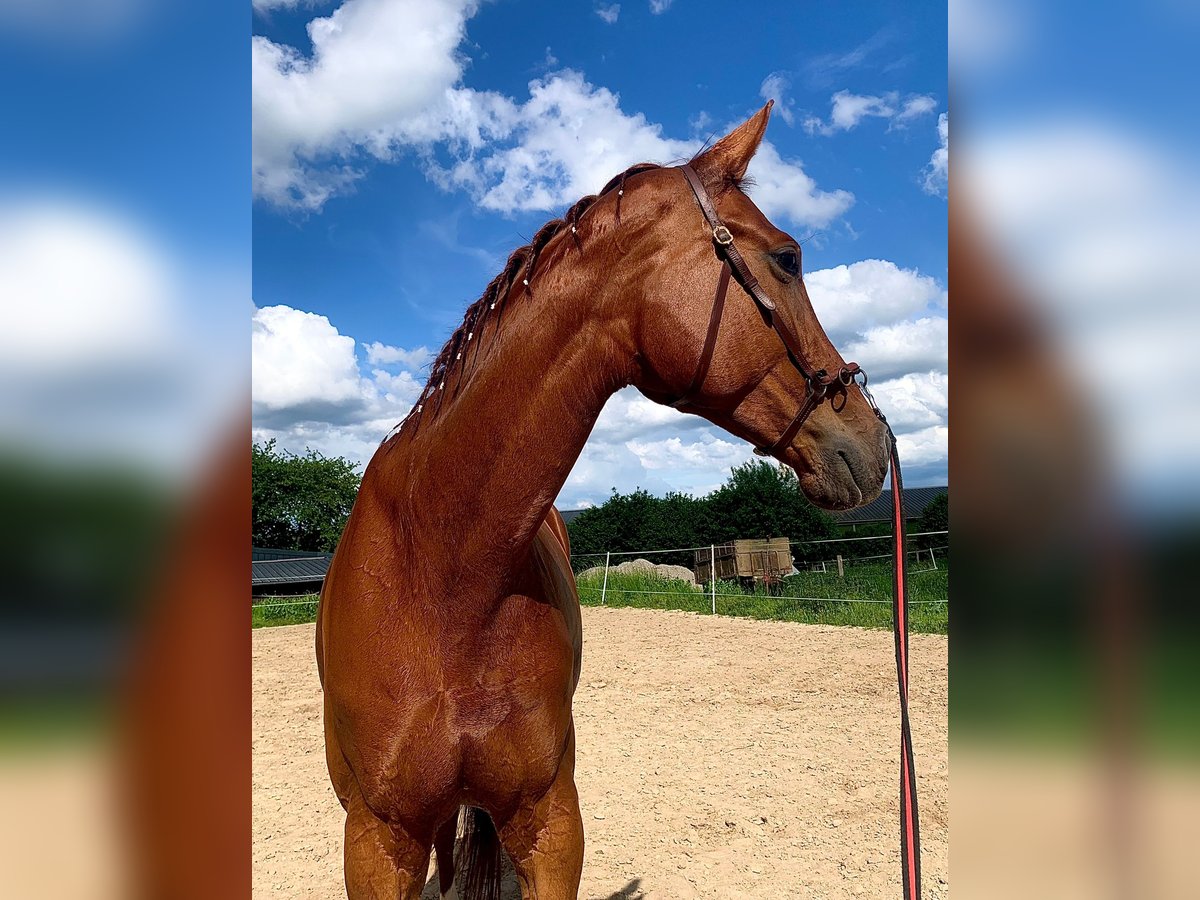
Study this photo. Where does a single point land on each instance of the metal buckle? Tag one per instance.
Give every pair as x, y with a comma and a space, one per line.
722, 236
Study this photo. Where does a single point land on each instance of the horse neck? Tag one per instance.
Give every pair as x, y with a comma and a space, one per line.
472, 486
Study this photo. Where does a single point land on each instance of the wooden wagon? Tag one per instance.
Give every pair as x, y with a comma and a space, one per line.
764, 560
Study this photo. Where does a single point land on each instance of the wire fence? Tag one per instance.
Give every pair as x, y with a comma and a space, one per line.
821, 586
815, 584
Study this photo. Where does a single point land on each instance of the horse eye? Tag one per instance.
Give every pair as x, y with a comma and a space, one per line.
788, 260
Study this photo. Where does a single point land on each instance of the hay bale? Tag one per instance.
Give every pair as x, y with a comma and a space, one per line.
645, 567
634, 565
679, 573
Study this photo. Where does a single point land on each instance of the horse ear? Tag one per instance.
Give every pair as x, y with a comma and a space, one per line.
726, 161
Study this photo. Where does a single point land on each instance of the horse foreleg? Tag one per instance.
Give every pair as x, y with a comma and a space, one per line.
381, 862
443, 843
544, 839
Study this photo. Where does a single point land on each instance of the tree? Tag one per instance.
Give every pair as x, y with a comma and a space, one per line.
761, 500
936, 514
637, 521
300, 502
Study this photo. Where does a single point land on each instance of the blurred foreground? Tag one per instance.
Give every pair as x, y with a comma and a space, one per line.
1073, 227
124, 478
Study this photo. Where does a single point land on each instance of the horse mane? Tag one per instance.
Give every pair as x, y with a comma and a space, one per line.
521, 263
457, 352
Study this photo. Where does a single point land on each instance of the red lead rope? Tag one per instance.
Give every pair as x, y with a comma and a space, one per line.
910, 832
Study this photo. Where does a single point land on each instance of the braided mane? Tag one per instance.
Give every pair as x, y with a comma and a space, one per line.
462, 347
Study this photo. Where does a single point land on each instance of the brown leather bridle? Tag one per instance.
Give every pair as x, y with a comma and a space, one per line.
819, 386
819, 383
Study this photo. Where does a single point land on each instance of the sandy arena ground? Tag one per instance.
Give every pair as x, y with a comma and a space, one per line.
717, 757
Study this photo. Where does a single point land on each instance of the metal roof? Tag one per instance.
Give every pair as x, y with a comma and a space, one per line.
308, 569
257, 553
915, 499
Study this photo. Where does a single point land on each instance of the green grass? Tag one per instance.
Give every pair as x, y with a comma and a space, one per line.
928, 609
823, 593
283, 610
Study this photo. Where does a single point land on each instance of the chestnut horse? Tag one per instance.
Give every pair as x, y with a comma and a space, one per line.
448, 637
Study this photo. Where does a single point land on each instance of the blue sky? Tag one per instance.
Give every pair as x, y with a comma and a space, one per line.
125, 228
393, 175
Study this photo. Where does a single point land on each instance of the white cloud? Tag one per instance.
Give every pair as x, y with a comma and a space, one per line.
115, 344
850, 300
384, 78
382, 354
86, 21
301, 361
924, 449
913, 402
639, 443
262, 6
628, 415
848, 110
1098, 220
775, 87
673, 454
903, 347
381, 75
600, 469
609, 12
84, 286
782, 189
309, 389
658, 7
937, 173
572, 137
913, 107
892, 321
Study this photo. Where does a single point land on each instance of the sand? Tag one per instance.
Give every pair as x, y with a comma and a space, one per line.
717, 757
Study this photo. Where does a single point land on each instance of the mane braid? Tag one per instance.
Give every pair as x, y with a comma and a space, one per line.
457, 353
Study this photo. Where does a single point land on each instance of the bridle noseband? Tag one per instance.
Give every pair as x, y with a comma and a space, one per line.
819, 383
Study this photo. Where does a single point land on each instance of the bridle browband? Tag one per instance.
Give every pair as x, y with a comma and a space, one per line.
819, 386
819, 383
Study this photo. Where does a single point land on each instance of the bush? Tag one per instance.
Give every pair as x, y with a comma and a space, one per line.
300, 502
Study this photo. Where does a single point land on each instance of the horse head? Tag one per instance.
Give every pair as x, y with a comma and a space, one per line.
727, 358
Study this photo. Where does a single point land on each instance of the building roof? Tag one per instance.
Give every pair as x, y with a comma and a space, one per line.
915, 500
569, 514
307, 569
257, 553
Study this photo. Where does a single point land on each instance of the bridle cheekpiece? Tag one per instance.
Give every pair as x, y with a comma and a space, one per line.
819, 383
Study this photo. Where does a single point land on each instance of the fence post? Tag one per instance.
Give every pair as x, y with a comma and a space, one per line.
931, 558
712, 560
604, 587
823, 569
841, 571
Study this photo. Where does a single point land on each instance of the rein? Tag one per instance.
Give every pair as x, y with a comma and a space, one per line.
819, 386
